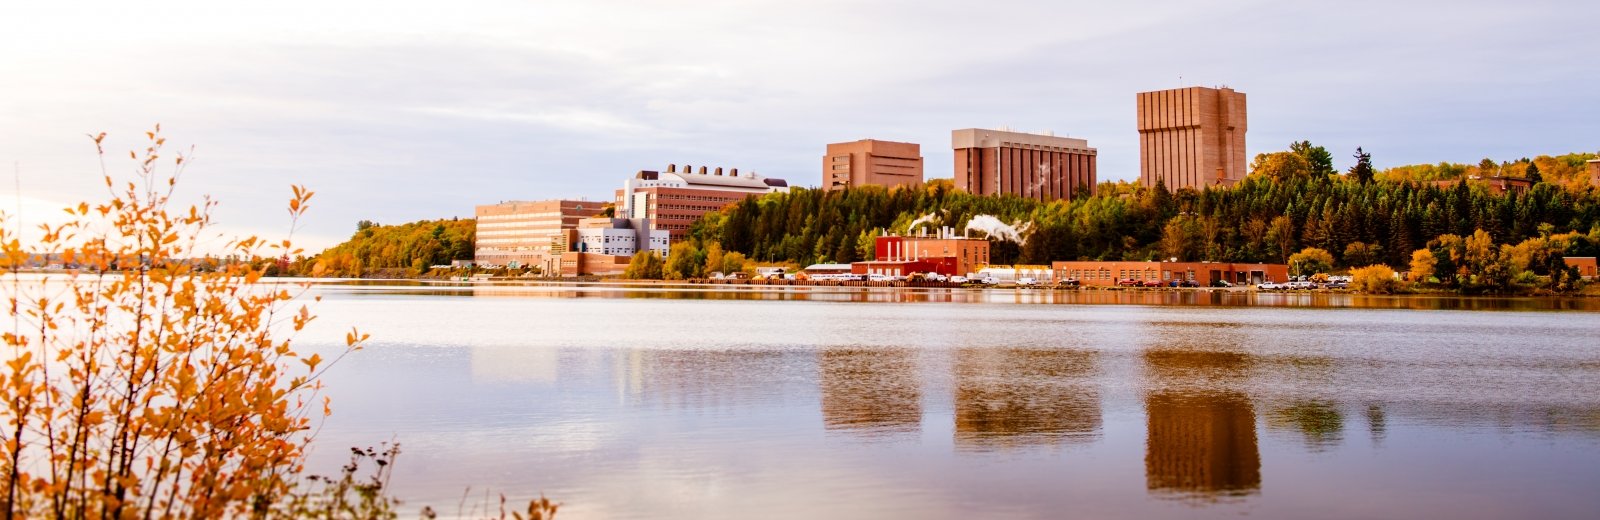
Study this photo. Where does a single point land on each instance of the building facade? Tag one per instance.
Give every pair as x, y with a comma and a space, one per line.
673, 200
1588, 268
1192, 137
944, 253
1035, 166
1108, 273
870, 162
1594, 172
617, 236
527, 233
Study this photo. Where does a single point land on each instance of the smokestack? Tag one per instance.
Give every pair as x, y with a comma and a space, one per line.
734, 173
672, 168
702, 170
719, 171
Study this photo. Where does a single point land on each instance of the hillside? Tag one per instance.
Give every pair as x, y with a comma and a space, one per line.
410, 248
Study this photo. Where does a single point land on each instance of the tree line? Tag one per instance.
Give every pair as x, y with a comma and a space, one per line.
1361, 217
410, 248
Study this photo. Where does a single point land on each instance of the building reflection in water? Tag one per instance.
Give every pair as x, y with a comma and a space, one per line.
870, 390
1201, 435
1010, 397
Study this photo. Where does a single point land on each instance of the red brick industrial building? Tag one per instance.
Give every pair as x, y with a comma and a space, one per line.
943, 253
1204, 273
674, 199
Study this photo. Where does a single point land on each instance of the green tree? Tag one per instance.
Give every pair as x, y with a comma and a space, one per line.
1532, 173
1316, 157
1362, 253
684, 261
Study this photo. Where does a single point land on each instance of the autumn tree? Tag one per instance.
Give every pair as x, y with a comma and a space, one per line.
645, 265
1310, 261
1280, 165
1374, 279
137, 386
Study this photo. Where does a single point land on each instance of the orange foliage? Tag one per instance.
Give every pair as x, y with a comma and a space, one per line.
138, 386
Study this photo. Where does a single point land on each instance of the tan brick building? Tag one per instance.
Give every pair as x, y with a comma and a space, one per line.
1192, 137
1594, 172
523, 233
870, 162
1035, 166
674, 199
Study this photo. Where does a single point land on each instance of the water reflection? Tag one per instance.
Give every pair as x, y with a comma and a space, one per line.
1319, 422
870, 390
1010, 397
1201, 445
1200, 425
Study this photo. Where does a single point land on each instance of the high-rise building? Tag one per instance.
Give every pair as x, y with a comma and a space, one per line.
1036, 166
870, 162
524, 233
1594, 172
1191, 137
674, 199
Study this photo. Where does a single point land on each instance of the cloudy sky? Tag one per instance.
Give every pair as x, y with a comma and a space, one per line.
396, 111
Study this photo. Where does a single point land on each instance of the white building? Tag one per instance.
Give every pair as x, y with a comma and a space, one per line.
673, 200
618, 237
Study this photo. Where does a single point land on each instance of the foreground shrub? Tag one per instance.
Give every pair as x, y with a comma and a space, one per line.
138, 386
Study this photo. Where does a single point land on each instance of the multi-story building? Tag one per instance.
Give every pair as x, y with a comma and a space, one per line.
524, 233
870, 162
945, 253
1191, 137
1036, 166
1594, 172
617, 237
674, 199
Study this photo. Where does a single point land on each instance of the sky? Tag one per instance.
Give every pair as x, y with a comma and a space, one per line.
395, 111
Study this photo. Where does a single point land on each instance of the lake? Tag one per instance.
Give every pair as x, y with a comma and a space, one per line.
659, 402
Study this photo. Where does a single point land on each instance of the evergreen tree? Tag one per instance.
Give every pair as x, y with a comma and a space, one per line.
1533, 173
1362, 171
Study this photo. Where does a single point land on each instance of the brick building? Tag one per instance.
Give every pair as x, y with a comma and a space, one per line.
1035, 166
1192, 137
1588, 268
943, 253
1107, 273
1594, 172
523, 233
870, 162
674, 199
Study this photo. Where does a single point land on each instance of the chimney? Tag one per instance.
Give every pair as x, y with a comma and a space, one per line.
702, 170
672, 168
734, 172
719, 171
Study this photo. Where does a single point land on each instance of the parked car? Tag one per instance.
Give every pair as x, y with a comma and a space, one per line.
1341, 284
1151, 283
1189, 283
1301, 285
881, 278
989, 281
958, 279
1069, 282
1027, 281
1129, 282
1221, 283
1271, 286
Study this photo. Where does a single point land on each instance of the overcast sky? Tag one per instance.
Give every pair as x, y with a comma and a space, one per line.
396, 111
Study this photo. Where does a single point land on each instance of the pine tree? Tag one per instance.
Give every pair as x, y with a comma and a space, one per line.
1362, 171
1533, 173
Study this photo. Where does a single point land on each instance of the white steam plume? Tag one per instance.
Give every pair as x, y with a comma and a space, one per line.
994, 228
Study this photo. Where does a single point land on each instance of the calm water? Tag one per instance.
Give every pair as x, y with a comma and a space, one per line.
651, 403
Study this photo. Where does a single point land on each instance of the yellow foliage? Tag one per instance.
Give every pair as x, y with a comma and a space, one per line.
1374, 279
137, 386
